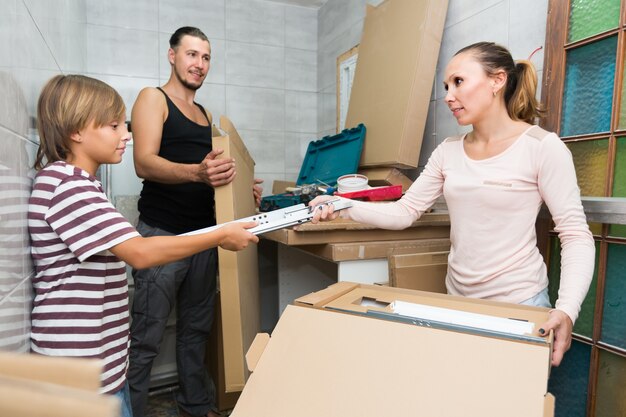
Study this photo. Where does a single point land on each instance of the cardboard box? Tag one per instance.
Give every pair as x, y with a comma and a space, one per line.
335, 360
352, 251
238, 272
280, 186
429, 226
35, 386
378, 177
394, 79
419, 271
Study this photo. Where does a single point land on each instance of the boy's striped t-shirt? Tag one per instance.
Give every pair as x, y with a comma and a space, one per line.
81, 293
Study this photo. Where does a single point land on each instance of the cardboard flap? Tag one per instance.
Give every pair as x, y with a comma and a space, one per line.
548, 405
256, 350
70, 372
327, 294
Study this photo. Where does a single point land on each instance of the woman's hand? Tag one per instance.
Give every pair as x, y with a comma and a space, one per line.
236, 236
562, 325
322, 210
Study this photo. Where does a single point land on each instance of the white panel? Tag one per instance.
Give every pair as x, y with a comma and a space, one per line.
67, 42
255, 21
301, 28
295, 149
136, 14
256, 108
300, 111
364, 271
300, 70
72, 10
459, 10
526, 31
127, 52
255, 65
206, 15
266, 148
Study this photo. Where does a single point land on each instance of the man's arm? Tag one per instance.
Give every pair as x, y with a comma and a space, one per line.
147, 117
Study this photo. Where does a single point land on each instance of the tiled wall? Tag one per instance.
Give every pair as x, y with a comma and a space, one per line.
520, 26
273, 73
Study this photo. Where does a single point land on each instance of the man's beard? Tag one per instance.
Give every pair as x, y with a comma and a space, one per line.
187, 83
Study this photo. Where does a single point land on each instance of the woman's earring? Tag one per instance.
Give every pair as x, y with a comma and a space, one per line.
494, 93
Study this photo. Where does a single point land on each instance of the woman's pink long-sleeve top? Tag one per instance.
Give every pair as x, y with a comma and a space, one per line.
493, 205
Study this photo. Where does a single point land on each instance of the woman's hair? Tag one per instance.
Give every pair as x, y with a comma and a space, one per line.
521, 83
186, 30
67, 104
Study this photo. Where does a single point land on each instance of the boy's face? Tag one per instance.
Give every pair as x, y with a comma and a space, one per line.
101, 145
191, 61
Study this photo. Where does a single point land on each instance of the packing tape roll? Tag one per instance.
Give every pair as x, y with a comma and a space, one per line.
351, 183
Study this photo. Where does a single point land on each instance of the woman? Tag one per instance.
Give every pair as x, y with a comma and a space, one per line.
494, 180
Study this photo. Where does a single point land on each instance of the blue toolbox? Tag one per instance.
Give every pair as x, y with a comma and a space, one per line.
326, 160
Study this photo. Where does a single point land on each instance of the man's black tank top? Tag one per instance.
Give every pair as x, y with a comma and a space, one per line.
180, 208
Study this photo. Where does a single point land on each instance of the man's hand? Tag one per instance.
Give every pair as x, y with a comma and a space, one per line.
562, 325
216, 172
257, 191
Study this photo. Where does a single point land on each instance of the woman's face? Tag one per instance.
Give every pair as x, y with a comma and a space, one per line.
469, 89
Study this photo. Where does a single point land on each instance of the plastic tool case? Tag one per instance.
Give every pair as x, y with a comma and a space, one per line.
326, 160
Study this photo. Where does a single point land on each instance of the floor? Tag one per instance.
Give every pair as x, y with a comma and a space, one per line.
163, 404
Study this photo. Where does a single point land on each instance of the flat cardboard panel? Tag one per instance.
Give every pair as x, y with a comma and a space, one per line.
419, 271
427, 219
351, 251
378, 177
239, 281
323, 363
394, 78
289, 236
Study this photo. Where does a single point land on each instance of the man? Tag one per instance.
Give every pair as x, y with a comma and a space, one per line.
173, 154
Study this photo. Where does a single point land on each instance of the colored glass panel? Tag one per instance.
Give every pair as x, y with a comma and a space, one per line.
622, 110
610, 395
590, 17
619, 183
584, 323
588, 91
613, 322
568, 382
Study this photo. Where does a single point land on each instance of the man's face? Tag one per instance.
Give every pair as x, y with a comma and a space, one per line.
191, 61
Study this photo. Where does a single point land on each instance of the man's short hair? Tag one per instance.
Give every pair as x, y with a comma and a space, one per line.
186, 30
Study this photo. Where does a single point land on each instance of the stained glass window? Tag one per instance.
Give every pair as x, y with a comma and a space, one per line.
610, 398
613, 322
588, 90
619, 183
590, 17
568, 382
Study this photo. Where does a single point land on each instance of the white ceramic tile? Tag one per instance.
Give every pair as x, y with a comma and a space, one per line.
296, 145
13, 106
429, 139
109, 52
218, 59
269, 178
136, 14
72, 10
67, 43
327, 110
256, 108
15, 310
207, 15
255, 65
488, 25
124, 179
255, 21
266, 148
335, 16
300, 70
127, 205
213, 98
527, 30
24, 44
31, 81
301, 28
127, 87
300, 111
460, 10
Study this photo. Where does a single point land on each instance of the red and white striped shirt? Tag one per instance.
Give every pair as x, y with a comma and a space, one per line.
81, 291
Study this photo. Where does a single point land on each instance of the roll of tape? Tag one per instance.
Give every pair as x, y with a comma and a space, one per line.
351, 183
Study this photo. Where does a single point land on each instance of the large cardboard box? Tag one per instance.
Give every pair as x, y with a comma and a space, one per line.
429, 226
425, 271
238, 272
330, 355
35, 386
378, 177
394, 78
352, 251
